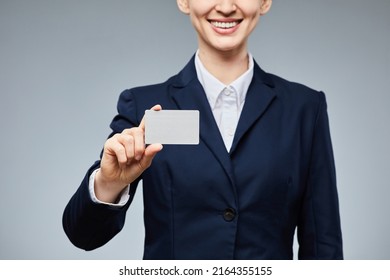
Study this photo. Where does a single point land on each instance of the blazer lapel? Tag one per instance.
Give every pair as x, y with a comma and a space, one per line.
189, 94
260, 95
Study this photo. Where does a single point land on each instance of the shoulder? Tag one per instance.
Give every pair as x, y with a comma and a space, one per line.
182, 78
295, 93
285, 88
298, 90
151, 91
133, 102
292, 97
147, 91
160, 93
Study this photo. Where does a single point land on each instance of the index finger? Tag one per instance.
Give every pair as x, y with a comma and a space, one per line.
154, 108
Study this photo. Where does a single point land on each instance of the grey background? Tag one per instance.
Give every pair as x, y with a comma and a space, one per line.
63, 64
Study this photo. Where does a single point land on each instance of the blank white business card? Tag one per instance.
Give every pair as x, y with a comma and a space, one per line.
180, 127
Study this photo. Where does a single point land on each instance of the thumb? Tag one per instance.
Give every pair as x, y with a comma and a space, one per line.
154, 108
150, 153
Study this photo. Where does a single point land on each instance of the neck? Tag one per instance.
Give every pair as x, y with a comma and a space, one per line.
225, 66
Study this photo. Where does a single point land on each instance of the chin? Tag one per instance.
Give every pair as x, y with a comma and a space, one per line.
229, 48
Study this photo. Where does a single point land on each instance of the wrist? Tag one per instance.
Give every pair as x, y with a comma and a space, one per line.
105, 190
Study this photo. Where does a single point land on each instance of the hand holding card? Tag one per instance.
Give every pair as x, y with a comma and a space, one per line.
180, 127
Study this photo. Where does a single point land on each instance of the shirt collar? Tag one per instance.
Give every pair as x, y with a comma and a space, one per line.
213, 87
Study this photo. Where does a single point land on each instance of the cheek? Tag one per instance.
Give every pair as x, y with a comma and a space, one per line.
253, 15
250, 8
196, 23
200, 8
198, 19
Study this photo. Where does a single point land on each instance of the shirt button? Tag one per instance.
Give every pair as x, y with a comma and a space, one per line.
229, 214
227, 92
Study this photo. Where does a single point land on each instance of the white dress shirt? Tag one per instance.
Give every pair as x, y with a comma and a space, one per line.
226, 102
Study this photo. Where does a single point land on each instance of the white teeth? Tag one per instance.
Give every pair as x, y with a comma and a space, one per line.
225, 25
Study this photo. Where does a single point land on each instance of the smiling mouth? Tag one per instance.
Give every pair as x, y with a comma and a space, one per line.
225, 24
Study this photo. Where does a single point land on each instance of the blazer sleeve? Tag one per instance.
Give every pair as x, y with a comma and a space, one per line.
319, 229
90, 225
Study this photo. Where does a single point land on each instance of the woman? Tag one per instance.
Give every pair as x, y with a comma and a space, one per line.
264, 165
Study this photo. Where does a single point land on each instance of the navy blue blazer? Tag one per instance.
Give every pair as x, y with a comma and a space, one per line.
201, 202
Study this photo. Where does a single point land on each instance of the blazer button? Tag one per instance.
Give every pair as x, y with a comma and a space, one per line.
229, 214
